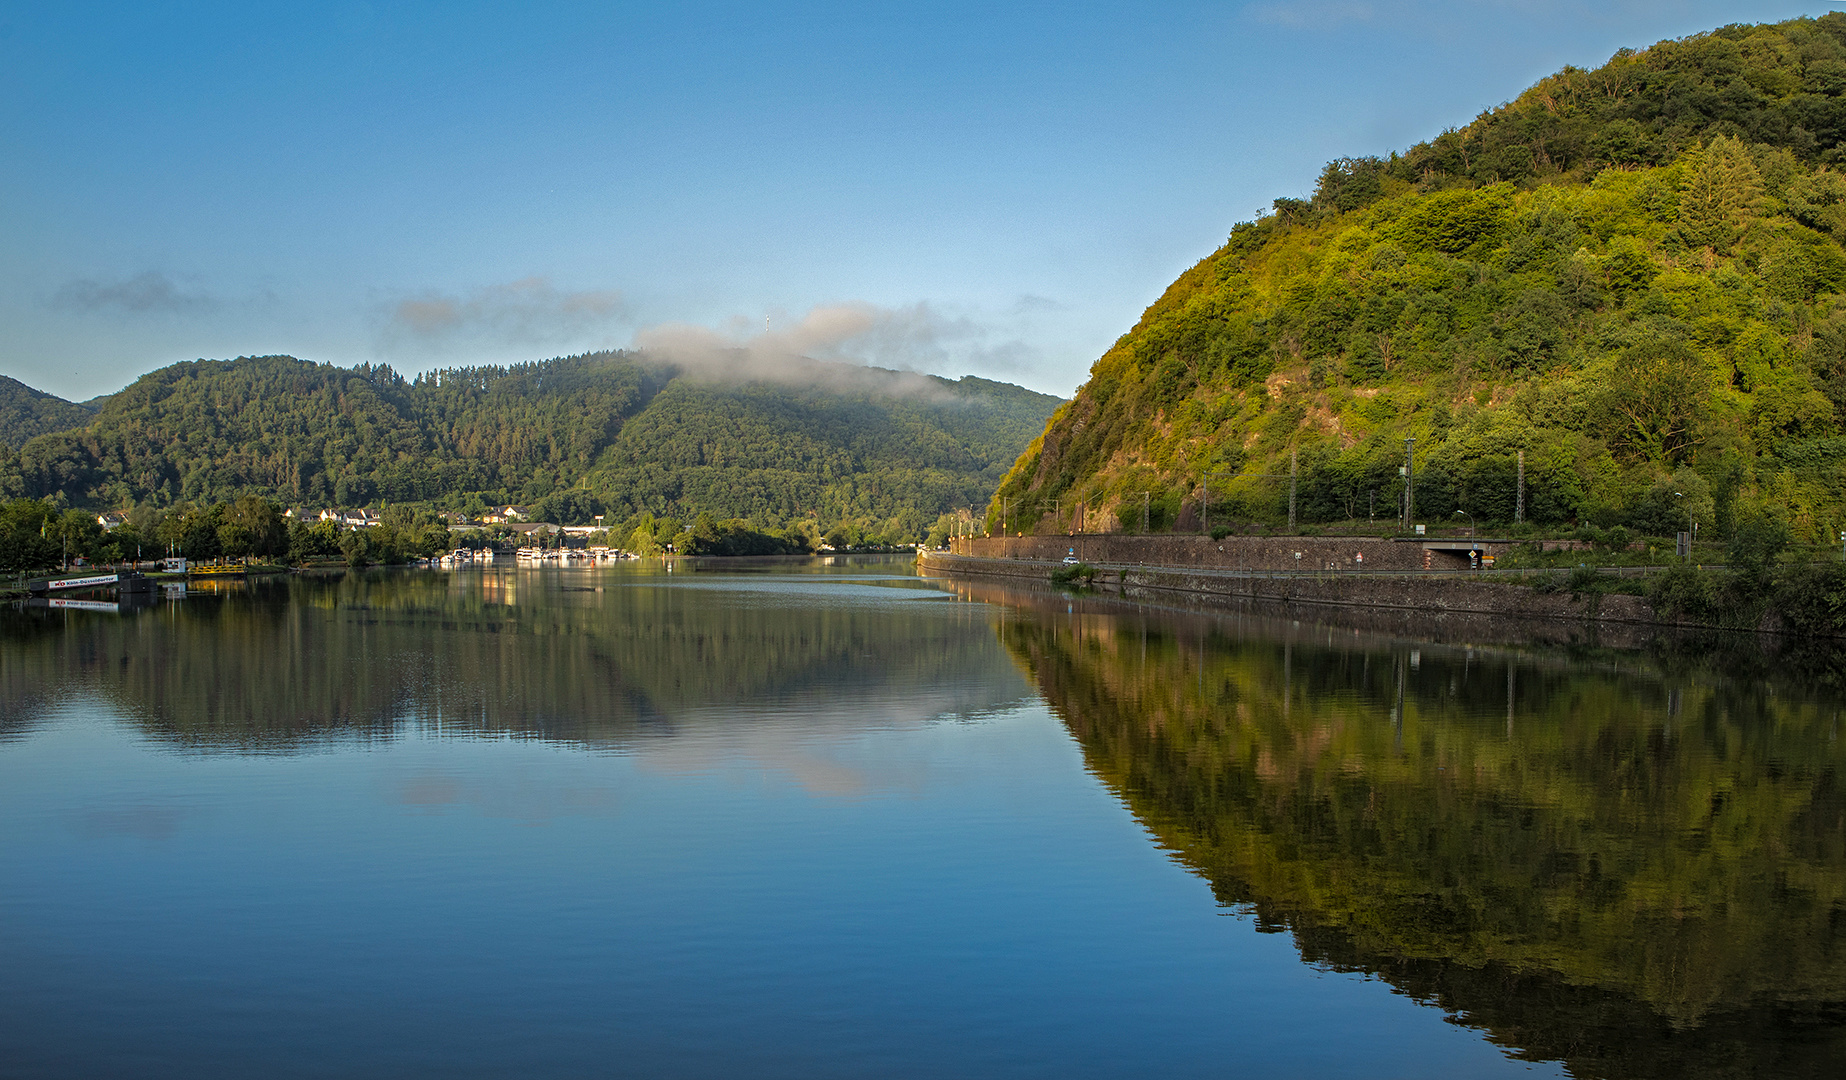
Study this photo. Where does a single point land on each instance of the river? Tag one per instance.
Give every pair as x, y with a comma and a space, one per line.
832, 819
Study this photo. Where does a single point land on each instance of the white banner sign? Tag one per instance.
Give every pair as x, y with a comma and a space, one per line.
81, 582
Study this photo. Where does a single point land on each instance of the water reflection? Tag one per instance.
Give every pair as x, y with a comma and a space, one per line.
1636, 873
597, 658
1637, 870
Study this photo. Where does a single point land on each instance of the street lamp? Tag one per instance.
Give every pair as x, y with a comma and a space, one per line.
1470, 517
1692, 527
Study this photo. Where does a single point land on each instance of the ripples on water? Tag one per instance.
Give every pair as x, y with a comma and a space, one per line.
840, 821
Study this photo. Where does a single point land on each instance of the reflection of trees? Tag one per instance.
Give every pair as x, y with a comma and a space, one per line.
1635, 877
288, 661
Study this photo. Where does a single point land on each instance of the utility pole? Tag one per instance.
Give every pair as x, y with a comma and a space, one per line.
1144, 497
1519, 508
1294, 467
1410, 501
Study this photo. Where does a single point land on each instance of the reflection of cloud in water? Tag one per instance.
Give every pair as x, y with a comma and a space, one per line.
805, 742
145, 821
777, 754
430, 791
509, 796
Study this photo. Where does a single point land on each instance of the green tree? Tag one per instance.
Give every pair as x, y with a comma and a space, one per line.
642, 539
1758, 538
77, 533
1653, 399
316, 541
1722, 192
26, 542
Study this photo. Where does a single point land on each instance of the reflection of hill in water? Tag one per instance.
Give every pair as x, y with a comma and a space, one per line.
541, 654
1636, 875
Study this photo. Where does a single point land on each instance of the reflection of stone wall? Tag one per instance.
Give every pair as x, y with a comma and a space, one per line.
1284, 618
1230, 553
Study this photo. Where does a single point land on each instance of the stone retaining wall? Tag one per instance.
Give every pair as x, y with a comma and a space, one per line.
1230, 553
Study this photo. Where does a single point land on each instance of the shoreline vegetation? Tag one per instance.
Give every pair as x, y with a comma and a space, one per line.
38, 535
1758, 580
1755, 583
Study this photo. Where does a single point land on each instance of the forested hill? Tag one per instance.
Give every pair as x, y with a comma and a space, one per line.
1634, 275
25, 412
606, 433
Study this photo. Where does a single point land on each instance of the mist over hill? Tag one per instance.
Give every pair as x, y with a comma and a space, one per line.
605, 433
1631, 275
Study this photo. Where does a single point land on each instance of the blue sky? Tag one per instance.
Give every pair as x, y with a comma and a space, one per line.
960, 188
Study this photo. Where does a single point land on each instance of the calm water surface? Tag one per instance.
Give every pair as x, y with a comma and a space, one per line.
838, 821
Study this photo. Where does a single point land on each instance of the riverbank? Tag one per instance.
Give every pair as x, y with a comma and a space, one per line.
1427, 595
1248, 553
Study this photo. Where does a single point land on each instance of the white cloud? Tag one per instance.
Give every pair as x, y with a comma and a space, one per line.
1032, 304
530, 311
916, 338
152, 292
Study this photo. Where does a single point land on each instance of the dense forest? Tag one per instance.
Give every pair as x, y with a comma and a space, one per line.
25, 412
615, 434
1632, 277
